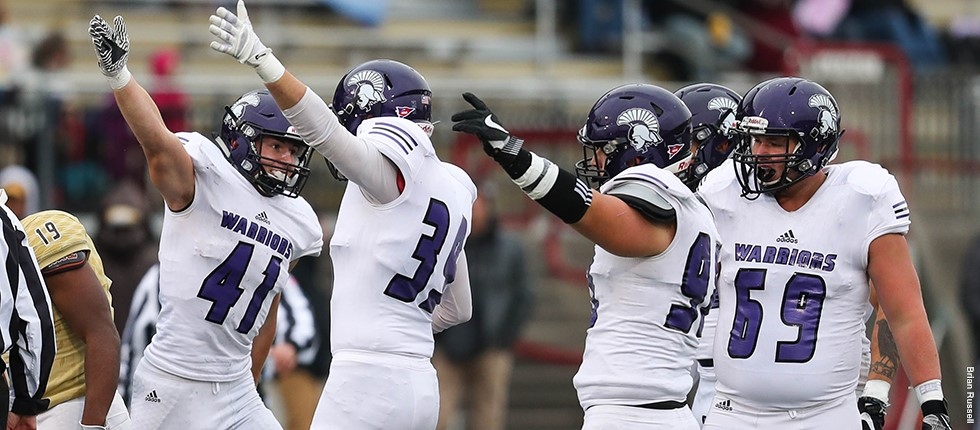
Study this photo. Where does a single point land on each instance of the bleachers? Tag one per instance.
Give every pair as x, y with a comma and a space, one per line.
460, 47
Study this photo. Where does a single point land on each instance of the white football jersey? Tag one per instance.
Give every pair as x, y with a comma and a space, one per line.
222, 261
393, 261
647, 311
794, 285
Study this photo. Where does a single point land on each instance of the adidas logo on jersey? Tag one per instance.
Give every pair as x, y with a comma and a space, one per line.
725, 405
152, 397
262, 217
787, 237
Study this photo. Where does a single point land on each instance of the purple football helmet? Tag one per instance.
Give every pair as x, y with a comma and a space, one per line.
713, 123
635, 124
245, 122
793, 107
380, 88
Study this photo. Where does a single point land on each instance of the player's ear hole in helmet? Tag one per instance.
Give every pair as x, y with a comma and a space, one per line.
261, 143
634, 124
800, 110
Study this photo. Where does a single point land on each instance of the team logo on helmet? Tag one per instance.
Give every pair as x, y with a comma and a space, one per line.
644, 127
368, 88
828, 115
403, 111
672, 150
238, 109
727, 108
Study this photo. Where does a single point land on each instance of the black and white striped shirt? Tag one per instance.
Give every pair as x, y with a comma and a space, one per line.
28, 336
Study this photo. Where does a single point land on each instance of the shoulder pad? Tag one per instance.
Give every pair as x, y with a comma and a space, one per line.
643, 198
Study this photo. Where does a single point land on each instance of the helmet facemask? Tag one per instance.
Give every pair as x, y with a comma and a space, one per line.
244, 133
755, 173
800, 110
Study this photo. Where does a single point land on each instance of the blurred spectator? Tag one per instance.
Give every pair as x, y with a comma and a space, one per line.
13, 51
122, 156
819, 18
774, 33
699, 44
474, 359
970, 291
963, 40
23, 196
164, 90
127, 244
893, 21
598, 24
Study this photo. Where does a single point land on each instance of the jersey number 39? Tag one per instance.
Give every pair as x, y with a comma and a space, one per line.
427, 250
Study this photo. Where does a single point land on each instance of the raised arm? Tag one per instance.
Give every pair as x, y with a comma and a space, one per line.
360, 161
170, 167
560, 192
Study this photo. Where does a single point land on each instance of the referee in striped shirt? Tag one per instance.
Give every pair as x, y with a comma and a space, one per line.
28, 336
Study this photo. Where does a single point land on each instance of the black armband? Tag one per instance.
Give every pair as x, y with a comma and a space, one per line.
559, 191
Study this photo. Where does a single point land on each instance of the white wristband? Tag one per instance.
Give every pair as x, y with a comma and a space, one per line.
929, 390
270, 69
92, 427
878, 389
120, 80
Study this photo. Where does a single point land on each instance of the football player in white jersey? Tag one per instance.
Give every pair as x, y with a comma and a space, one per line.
655, 252
713, 109
399, 237
233, 227
802, 240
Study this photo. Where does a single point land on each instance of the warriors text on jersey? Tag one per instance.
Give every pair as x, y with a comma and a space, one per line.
794, 285
394, 260
222, 261
647, 311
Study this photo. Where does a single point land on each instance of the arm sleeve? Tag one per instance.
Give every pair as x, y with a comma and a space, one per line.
32, 326
359, 160
295, 323
457, 303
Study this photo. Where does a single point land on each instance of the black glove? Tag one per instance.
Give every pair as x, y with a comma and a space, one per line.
935, 415
872, 413
480, 122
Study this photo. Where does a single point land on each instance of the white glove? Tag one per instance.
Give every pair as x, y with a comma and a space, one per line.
112, 48
237, 39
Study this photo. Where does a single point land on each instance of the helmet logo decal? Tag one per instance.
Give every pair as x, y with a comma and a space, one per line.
828, 115
727, 108
238, 109
672, 150
644, 127
369, 85
403, 111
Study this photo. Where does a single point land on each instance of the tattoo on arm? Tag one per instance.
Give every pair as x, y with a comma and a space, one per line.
887, 364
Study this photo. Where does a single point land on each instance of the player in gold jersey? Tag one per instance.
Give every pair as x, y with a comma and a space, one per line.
82, 388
